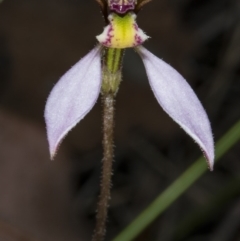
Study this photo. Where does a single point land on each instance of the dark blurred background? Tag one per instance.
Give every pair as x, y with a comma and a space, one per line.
56, 201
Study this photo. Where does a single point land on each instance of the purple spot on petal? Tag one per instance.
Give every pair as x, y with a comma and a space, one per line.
109, 37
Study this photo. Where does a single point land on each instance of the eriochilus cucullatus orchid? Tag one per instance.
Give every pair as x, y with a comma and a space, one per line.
100, 72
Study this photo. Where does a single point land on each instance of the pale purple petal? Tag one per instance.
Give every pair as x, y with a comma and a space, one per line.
180, 102
73, 97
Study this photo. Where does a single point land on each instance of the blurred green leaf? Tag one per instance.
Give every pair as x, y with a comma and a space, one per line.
178, 187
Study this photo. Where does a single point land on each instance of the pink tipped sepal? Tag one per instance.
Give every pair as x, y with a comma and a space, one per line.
180, 102
72, 98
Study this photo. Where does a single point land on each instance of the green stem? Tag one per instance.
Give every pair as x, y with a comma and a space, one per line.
112, 70
178, 187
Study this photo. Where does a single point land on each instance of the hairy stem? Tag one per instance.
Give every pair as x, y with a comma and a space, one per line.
108, 125
111, 78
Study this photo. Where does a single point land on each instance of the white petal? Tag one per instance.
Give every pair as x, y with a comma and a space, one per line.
177, 98
73, 97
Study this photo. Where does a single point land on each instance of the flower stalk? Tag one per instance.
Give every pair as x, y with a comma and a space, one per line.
111, 78
104, 198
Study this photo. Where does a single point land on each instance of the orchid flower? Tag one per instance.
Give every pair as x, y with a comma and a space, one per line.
99, 71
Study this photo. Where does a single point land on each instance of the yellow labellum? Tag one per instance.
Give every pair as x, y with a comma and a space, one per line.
122, 32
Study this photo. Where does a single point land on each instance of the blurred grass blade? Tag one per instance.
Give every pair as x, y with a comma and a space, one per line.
165, 199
